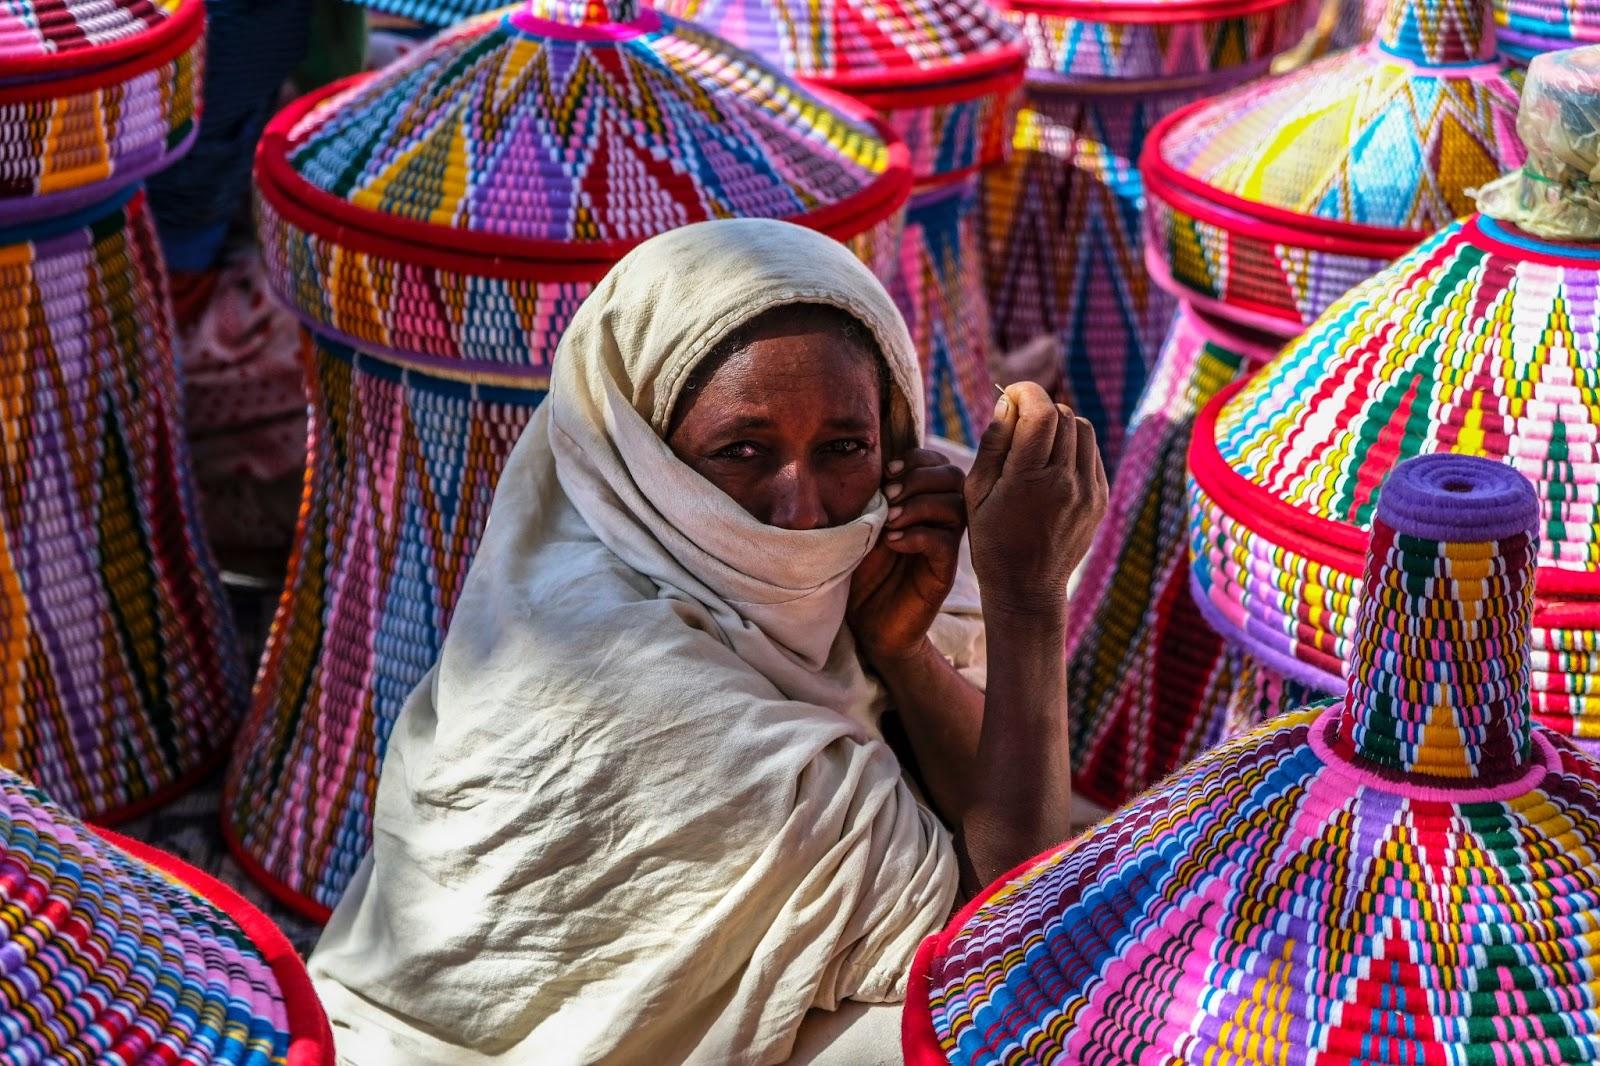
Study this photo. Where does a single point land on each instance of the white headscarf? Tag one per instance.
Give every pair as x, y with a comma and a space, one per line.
640, 811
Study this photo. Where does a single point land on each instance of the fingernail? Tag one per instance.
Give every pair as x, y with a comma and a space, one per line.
895, 512
895, 534
1001, 406
892, 491
897, 466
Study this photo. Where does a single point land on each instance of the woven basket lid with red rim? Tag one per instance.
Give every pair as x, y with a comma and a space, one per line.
1481, 341
1270, 201
1411, 875
541, 144
1148, 44
93, 97
114, 952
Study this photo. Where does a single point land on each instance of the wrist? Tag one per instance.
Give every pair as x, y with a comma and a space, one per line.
888, 662
1022, 615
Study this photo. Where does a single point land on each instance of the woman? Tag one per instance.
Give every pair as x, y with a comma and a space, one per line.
642, 810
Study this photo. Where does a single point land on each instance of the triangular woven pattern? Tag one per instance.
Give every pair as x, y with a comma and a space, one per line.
1477, 342
1168, 41
1530, 27
120, 679
1374, 151
93, 97
112, 959
1062, 253
1268, 902
1146, 675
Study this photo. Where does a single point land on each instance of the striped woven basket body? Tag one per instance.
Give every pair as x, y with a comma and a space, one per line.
1062, 219
437, 290
1532, 27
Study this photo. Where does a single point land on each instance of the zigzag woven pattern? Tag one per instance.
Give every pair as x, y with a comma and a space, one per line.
112, 960
64, 148
403, 469
1531, 27
1145, 672
1274, 199
1068, 42
1478, 342
1062, 229
1437, 31
1409, 877
119, 677
941, 286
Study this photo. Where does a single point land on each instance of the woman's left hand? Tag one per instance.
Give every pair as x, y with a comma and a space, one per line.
901, 585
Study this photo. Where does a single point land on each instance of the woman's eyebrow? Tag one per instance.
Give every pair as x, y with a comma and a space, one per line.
851, 424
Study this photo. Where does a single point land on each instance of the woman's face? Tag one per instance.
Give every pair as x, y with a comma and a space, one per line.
788, 425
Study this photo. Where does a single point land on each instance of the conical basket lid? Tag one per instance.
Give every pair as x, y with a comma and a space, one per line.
93, 97
1270, 201
541, 144
1411, 875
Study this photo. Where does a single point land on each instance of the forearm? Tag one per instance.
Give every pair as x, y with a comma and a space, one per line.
942, 714
1021, 778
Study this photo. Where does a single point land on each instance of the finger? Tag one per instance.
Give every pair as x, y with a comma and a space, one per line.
915, 459
1091, 469
1064, 454
988, 464
926, 479
941, 547
1036, 428
945, 510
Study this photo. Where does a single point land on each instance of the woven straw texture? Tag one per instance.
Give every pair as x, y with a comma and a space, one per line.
1273, 200
119, 677
1532, 27
436, 226
1481, 342
111, 959
1408, 876
94, 95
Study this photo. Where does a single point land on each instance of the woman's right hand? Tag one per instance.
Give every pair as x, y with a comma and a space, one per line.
1035, 495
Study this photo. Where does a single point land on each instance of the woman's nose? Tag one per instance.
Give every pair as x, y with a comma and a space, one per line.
796, 500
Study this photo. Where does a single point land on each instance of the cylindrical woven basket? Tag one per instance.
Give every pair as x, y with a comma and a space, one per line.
437, 293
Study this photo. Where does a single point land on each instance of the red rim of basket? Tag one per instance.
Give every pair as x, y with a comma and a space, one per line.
918, 1041
499, 256
137, 49
1342, 546
1261, 221
301, 904
1147, 12
310, 1035
966, 78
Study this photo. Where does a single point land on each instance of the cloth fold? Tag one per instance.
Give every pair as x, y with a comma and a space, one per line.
641, 809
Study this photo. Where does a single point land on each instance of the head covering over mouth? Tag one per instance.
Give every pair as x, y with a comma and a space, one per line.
640, 811
1411, 875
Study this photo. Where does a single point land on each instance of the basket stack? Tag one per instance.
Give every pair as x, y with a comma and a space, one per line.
120, 679
1266, 204
1407, 876
1480, 341
945, 75
118, 953
435, 226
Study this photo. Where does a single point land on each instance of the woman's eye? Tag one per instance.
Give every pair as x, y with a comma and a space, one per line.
738, 450
848, 447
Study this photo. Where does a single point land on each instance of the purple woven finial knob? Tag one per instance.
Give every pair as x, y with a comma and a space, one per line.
1437, 32
583, 12
1439, 672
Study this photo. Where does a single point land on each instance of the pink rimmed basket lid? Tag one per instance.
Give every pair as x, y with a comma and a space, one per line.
1409, 875
94, 96
1268, 202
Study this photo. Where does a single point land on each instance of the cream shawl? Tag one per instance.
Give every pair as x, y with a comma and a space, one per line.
640, 811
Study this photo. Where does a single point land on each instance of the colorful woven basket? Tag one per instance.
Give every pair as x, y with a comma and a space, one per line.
436, 225
118, 953
945, 75
120, 679
1481, 341
1363, 134
1409, 876
1532, 27
1062, 227
93, 97
1268, 203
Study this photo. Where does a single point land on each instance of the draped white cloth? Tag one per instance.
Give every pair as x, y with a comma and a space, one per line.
640, 811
